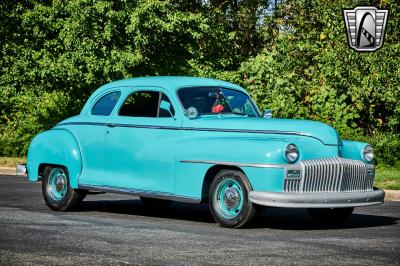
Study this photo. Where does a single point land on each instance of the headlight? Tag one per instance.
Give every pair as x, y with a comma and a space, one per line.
368, 153
291, 153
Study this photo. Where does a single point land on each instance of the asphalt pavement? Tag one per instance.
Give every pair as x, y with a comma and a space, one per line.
119, 229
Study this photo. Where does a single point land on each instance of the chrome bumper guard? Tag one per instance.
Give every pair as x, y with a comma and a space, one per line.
318, 200
21, 170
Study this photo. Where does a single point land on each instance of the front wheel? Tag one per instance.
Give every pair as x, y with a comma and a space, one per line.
229, 202
330, 216
57, 193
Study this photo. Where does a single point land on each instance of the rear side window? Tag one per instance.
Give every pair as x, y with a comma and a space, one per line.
106, 104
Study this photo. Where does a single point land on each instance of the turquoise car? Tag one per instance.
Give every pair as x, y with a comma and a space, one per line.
197, 140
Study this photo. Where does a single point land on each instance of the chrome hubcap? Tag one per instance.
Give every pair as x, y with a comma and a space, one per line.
231, 197
228, 198
60, 183
57, 184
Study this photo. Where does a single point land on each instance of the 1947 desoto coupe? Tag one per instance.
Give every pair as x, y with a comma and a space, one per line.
200, 140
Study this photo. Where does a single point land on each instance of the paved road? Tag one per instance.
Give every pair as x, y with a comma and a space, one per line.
115, 229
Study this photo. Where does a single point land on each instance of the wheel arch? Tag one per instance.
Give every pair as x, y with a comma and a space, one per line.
42, 166
209, 176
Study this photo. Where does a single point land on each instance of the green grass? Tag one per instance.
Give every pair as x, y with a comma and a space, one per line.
11, 161
387, 177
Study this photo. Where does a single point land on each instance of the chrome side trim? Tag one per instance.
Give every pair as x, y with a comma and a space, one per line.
258, 165
255, 131
140, 193
317, 200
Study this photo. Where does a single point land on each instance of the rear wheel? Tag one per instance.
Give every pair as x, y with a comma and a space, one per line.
229, 202
330, 216
57, 192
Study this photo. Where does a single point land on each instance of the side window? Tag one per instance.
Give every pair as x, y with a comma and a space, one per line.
145, 104
141, 104
105, 104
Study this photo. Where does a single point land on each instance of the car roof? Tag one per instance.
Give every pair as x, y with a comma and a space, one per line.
169, 83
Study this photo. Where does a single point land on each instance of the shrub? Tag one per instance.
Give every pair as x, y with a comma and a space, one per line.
386, 147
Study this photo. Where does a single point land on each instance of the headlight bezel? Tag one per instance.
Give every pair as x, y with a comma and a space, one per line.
290, 150
368, 153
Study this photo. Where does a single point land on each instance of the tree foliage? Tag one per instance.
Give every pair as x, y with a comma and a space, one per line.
291, 55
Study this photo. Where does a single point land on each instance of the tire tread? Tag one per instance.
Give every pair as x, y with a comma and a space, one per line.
74, 196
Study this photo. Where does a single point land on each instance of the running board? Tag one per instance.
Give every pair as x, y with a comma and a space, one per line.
140, 193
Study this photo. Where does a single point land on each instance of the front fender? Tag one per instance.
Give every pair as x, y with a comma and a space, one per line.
219, 147
56, 147
353, 150
233, 148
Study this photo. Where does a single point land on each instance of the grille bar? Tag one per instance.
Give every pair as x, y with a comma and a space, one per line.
330, 175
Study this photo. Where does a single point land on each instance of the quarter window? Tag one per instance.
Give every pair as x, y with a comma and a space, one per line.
145, 104
165, 113
106, 104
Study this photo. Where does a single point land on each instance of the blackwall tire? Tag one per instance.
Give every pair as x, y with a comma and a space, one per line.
229, 202
57, 193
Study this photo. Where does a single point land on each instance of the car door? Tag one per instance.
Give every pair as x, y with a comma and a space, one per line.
140, 143
91, 132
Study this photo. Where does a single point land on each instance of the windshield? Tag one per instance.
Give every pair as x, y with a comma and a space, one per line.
215, 100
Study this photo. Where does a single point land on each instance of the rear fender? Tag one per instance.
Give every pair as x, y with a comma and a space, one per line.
54, 147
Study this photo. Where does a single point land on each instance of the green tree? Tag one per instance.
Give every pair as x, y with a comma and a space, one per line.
292, 55
56, 53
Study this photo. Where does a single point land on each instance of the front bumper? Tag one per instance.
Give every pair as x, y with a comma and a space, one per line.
318, 200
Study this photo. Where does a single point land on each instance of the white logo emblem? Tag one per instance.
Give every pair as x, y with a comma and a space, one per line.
365, 27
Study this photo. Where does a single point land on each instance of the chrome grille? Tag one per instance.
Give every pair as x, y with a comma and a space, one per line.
330, 175
292, 185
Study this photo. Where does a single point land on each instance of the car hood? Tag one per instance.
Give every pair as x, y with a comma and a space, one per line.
326, 134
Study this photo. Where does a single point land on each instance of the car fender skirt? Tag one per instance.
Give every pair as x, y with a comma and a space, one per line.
318, 200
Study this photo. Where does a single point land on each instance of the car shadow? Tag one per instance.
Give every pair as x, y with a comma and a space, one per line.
273, 218
299, 219
177, 210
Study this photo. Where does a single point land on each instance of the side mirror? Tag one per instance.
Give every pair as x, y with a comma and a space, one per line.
267, 113
167, 107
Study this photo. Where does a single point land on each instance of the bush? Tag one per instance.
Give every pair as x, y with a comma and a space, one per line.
291, 55
31, 114
309, 72
386, 147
